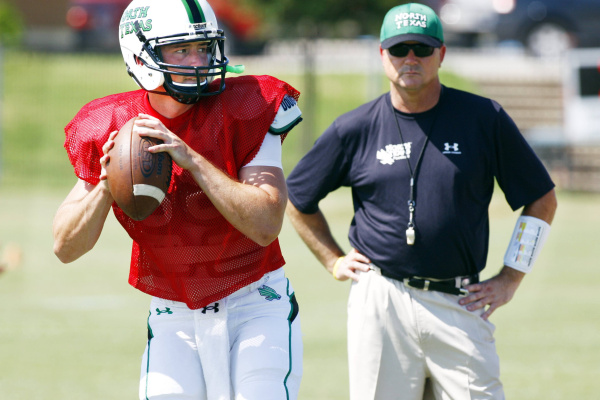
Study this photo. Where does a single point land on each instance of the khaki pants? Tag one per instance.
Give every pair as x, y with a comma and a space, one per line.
402, 340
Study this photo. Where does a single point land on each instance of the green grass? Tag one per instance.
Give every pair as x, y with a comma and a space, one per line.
78, 330
41, 93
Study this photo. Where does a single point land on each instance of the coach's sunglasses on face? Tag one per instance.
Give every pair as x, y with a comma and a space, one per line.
420, 50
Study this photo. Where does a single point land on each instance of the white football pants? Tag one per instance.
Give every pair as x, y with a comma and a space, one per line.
247, 346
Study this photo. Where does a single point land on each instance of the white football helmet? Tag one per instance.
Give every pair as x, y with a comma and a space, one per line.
148, 25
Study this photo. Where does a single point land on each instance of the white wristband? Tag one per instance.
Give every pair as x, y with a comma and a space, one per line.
526, 243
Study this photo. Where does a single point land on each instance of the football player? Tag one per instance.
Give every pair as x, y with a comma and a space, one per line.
223, 320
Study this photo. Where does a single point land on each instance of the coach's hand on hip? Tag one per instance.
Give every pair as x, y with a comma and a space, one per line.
495, 292
348, 266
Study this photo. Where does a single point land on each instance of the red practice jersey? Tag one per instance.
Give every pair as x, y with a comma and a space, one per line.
186, 250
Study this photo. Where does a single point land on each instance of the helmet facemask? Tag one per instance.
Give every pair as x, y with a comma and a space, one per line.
203, 75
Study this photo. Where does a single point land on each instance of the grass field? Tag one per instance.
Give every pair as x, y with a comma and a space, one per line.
78, 330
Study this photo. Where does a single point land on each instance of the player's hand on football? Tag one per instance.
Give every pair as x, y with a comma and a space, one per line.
494, 292
353, 263
180, 152
106, 158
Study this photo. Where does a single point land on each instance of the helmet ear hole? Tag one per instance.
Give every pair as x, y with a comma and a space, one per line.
138, 61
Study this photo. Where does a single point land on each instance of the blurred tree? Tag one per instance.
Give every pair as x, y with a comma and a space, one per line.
11, 24
326, 18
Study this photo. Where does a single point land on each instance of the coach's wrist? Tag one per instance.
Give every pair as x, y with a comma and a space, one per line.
336, 266
512, 275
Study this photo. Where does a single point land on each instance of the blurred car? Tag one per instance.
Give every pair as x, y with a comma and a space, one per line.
551, 27
466, 22
543, 27
95, 24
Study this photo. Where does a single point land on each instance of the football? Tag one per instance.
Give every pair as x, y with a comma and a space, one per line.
138, 180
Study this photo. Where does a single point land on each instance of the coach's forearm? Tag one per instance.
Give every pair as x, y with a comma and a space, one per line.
314, 230
79, 221
543, 208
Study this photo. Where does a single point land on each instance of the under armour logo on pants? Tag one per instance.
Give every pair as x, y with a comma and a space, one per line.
214, 308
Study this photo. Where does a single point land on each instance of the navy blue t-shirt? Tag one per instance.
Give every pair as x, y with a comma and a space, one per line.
471, 141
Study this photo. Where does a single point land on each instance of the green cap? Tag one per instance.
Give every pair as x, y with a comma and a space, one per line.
411, 21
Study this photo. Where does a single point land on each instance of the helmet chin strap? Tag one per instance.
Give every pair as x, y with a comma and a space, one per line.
158, 92
186, 93
184, 98
175, 97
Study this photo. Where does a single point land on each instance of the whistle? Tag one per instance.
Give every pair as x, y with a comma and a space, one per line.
410, 236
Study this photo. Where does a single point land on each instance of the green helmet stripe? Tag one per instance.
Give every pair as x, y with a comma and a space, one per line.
195, 13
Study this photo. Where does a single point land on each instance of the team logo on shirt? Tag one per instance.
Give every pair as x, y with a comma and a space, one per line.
451, 148
393, 152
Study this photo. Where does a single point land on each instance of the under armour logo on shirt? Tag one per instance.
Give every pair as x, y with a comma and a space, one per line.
451, 148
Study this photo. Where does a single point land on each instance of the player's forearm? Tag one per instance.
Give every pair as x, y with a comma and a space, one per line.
255, 206
314, 230
79, 222
253, 212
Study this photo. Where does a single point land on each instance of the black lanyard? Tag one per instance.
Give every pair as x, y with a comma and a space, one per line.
412, 204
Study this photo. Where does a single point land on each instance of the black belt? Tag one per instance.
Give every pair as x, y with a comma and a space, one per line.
453, 286
450, 286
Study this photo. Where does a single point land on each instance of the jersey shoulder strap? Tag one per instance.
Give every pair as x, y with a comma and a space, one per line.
288, 116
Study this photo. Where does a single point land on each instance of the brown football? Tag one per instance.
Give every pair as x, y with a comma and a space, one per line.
138, 180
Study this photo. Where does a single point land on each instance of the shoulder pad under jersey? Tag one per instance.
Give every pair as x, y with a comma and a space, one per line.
288, 116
